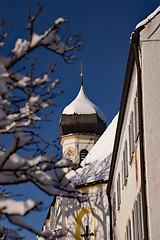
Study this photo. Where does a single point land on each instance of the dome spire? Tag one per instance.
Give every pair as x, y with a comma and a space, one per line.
81, 73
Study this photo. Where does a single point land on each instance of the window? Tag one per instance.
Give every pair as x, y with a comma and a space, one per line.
114, 236
126, 157
132, 133
136, 117
128, 231
133, 224
131, 138
137, 219
123, 180
130, 144
125, 164
118, 192
124, 170
83, 154
114, 208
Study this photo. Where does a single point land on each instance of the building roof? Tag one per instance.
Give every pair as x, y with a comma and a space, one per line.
149, 18
96, 166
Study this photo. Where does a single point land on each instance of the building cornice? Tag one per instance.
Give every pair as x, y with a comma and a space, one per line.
125, 92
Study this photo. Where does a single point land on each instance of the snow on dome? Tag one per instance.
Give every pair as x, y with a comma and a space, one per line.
82, 105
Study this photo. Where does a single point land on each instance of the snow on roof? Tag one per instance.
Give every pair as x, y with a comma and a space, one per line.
82, 105
96, 165
149, 18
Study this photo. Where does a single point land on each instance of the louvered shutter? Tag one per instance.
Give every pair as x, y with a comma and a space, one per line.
129, 230
130, 149
124, 169
139, 217
118, 192
133, 224
126, 158
114, 208
132, 133
136, 221
135, 118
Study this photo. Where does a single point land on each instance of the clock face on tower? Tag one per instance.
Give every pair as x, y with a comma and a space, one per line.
69, 152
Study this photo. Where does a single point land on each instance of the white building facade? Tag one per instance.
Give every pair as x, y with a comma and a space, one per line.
134, 182
75, 220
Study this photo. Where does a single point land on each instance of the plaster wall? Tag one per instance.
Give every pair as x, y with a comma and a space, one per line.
76, 216
129, 191
150, 48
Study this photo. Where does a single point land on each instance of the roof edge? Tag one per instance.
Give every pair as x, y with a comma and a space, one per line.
125, 92
90, 184
149, 18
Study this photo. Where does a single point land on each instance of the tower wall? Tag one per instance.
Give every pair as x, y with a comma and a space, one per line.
72, 144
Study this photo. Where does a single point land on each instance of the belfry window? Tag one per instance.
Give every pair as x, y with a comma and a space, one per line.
83, 154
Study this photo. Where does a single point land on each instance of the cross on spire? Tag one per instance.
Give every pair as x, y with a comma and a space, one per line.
81, 64
87, 235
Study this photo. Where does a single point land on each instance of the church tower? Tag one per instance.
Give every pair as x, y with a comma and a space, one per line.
81, 125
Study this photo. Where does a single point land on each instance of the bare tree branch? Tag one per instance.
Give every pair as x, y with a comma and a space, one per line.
25, 100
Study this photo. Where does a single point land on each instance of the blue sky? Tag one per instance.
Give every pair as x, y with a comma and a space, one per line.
104, 28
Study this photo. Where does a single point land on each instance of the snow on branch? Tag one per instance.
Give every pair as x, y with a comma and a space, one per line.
48, 234
20, 207
50, 39
25, 99
44, 171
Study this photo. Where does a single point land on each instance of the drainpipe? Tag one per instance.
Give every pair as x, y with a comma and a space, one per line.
135, 41
110, 214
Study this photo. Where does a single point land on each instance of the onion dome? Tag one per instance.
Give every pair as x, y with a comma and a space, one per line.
82, 116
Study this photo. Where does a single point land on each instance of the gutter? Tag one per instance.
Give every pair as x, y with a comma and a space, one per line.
133, 57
